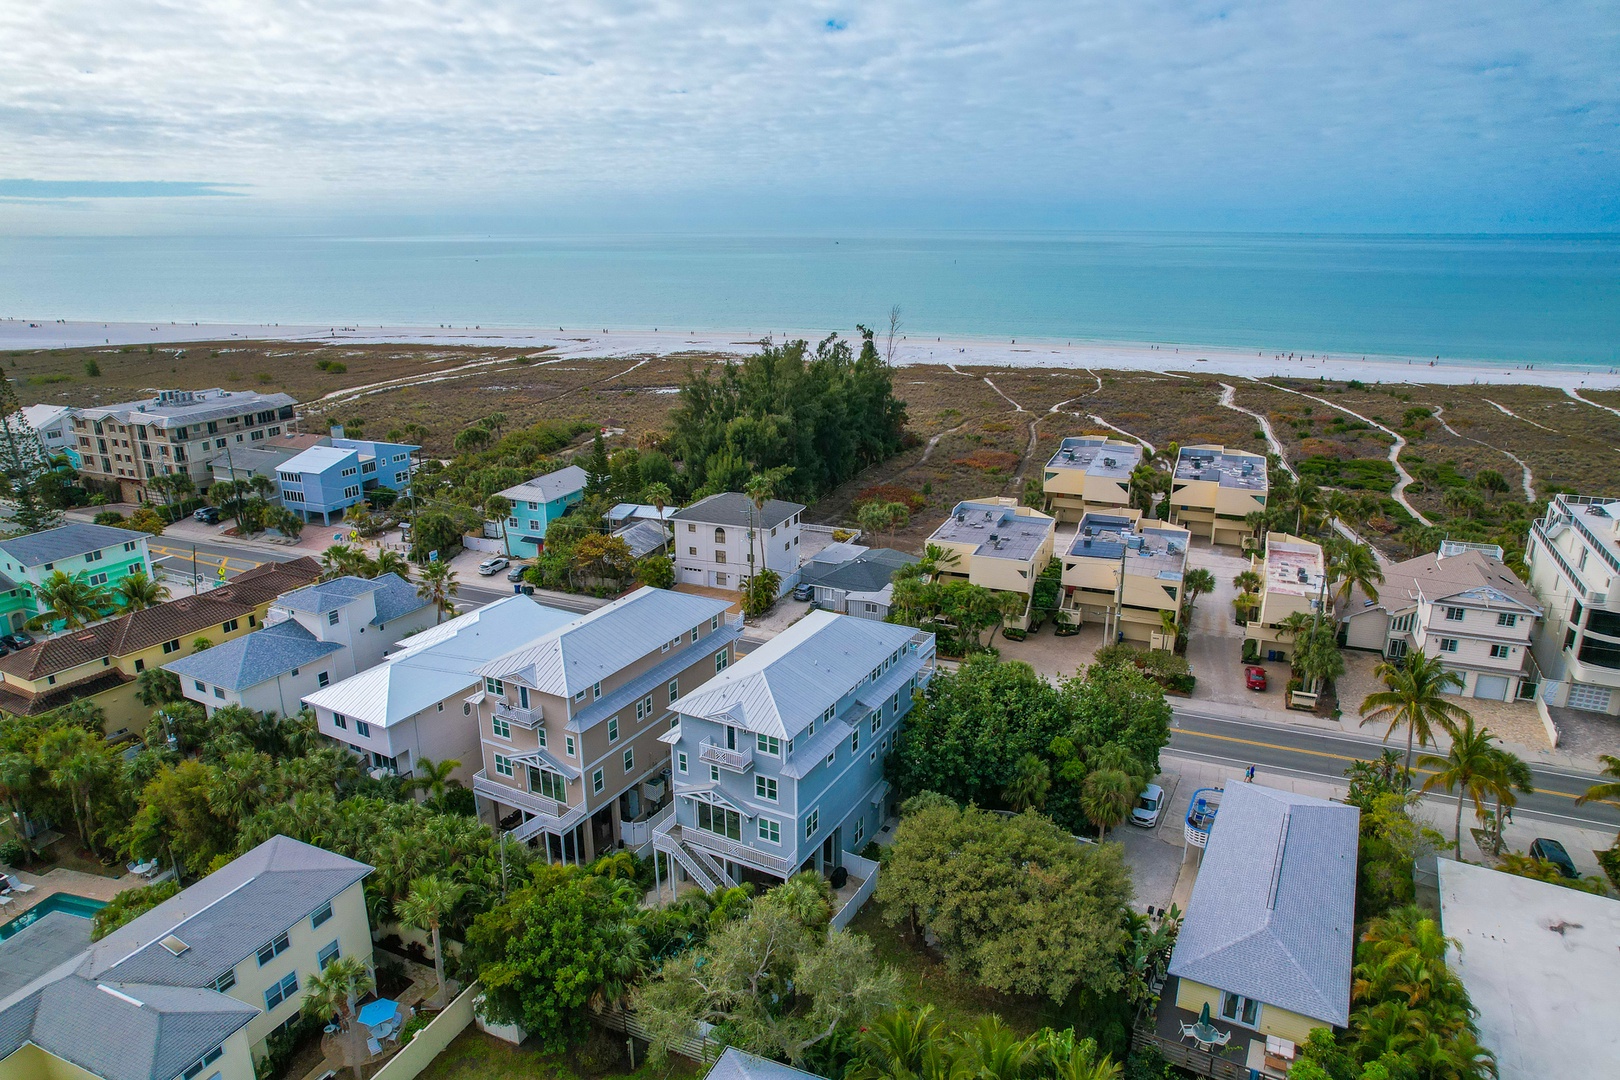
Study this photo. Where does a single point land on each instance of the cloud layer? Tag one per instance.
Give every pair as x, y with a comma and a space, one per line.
1384, 111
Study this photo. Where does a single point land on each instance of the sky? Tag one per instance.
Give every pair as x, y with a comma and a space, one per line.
466, 115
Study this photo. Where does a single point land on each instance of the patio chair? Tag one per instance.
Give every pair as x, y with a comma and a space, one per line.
1222, 1039
6, 901
21, 887
373, 1046
1187, 1031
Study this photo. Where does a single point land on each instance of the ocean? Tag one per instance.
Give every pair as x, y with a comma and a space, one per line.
1551, 300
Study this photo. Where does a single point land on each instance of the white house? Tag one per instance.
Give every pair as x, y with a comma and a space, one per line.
1574, 561
719, 539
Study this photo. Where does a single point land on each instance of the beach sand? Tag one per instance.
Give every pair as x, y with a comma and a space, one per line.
600, 342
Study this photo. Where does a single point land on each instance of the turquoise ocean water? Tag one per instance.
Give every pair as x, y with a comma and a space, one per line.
1522, 299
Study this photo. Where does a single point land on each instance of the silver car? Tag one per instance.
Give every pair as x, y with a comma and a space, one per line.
493, 565
1149, 807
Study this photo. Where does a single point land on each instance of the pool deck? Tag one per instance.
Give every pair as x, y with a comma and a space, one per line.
62, 880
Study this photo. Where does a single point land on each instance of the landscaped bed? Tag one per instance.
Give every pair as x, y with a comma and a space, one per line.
476, 1056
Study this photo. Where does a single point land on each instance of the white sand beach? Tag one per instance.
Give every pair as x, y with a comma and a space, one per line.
607, 342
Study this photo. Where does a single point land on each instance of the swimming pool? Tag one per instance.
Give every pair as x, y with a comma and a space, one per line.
82, 906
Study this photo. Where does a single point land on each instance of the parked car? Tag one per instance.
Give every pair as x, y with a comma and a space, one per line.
803, 592
493, 565
1254, 677
17, 639
515, 574
1553, 852
1149, 807
208, 515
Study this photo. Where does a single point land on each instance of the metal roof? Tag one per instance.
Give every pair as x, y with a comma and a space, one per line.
551, 486
643, 537
1272, 915
654, 678
594, 646
791, 680
254, 658
734, 1064
318, 459
734, 508
66, 541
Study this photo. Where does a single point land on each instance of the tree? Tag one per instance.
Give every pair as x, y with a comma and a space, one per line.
344, 560
129, 905
1609, 790
603, 557
761, 489
78, 762
439, 587
1474, 767
334, 990
430, 903
137, 592
434, 777
875, 517
69, 600
470, 439
598, 472
1355, 566
1030, 784
178, 817
1015, 903
904, 1044
1415, 699
1195, 583
658, 494
391, 562
1248, 581
24, 468
658, 571
1107, 796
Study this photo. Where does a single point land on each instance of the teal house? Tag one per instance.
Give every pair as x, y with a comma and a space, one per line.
102, 554
535, 505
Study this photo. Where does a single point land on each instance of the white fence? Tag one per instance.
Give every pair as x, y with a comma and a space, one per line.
867, 871
479, 543
430, 1042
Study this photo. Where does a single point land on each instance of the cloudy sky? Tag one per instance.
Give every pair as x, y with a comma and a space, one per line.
1378, 114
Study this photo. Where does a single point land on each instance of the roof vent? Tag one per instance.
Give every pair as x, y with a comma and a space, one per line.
174, 944
994, 538
120, 995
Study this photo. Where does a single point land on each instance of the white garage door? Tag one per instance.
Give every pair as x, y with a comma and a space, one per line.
692, 575
1589, 698
1491, 687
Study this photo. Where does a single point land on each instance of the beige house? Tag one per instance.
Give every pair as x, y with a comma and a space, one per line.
1089, 472
1459, 604
1295, 580
1123, 575
194, 987
1574, 561
999, 545
1214, 489
570, 721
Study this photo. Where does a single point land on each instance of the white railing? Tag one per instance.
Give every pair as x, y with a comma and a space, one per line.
735, 851
736, 760
529, 718
867, 871
558, 815
1540, 529
638, 834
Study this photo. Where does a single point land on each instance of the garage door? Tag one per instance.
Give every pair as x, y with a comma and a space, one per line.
1491, 687
1590, 698
691, 575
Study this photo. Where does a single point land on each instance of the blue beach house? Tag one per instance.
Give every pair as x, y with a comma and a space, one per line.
778, 759
324, 481
535, 505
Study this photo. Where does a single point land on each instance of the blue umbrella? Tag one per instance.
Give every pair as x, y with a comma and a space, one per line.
378, 1012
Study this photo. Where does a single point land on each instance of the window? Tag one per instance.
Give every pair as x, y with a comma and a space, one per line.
598, 783
860, 830
272, 949
770, 831
1507, 618
320, 917
769, 744
877, 719
225, 981
331, 618
680, 761
714, 774
1242, 1010
502, 729
280, 992
719, 820
1454, 614
691, 550
720, 660
719, 536
855, 741
629, 758
93, 556
495, 686
171, 646
580, 696
720, 557
568, 745
219, 692
1448, 644
140, 666
1499, 652
323, 678
596, 691
327, 955
203, 1062
229, 625
540, 733
643, 709
695, 630
503, 765
98, 579
339, 720
613, 729
812, 822
674, 690
549, 784
765, 787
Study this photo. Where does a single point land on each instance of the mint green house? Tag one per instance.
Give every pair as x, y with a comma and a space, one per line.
103, 554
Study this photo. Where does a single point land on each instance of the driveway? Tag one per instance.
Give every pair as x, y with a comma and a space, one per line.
1215, 640
1054, 657
1154, 855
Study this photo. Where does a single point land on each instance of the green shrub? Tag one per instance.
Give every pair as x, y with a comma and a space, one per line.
129, 904
413, 1025
14, 853
1609, 860
92, 369
109, 517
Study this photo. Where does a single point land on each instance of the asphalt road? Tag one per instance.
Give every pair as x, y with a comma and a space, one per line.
1199, 732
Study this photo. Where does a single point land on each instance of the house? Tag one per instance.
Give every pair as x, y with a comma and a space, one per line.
779, 757
1269, 932
102, 662
719, 538
311, 638
861, 585
1538, 962
195, 986
735, 1064
103, 555
263, 458
570, 720
414, 704
327, 480
1089, 473
1574, 561
1460, 604
1214, 489
644, 538
122, 446
535, 505
624, 514
1294, 580
1124, 575
999, 545
54, 426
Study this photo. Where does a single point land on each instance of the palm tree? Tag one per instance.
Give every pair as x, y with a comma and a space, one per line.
991, 1051
1106, 796
392, 562
1196, 583
1031, 781
936, 560
333, 992
1355, 566
137, 592
761, 489
439, 587
1167, 625
70, 600
1415, 699
1248, 581
1609, 790
659, 496
341, 560
434, 777
1069, 1059
76, 761
1471, 768
905, 1044
430, 902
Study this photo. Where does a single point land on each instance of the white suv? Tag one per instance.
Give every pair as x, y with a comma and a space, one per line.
493, 565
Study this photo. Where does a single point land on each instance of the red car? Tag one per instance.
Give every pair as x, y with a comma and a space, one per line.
1254, 677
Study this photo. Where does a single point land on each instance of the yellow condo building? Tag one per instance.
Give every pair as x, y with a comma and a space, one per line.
1124, 575
1295, 580
998, 545
1089, 472
1214, 489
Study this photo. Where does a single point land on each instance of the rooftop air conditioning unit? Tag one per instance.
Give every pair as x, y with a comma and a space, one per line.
994, 538
1110, 462
1303, 576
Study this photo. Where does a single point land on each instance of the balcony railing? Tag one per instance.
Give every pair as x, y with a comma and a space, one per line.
734, 760
516, 714
734, 850
558, 815
637, 834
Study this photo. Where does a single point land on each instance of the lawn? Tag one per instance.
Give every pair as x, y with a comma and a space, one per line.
476, 1056
956, 999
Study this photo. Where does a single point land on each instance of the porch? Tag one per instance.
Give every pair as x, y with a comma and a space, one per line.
1248, 1054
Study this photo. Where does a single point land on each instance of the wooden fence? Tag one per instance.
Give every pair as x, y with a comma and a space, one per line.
1202, 1062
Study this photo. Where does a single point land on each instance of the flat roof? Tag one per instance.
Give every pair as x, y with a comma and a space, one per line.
1097, 455
1293, 566
1230, 468
996, 531
1148, 551
1539, 962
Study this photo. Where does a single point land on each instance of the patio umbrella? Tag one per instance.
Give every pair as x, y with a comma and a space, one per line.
384, 1009
1203, 1015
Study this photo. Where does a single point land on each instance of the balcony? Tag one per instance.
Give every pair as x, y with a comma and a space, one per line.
556, 815
1544, 531
737, 761
516, 714
734, 850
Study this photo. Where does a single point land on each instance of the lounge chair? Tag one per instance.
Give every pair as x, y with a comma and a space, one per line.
6, 901
21, 887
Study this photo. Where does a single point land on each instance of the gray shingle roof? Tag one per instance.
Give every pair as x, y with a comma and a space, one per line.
43, 945
65, 541
551, 486
868, 572
254, 658
393, 596
1272, 915
396, 598
733, 508
734, 1064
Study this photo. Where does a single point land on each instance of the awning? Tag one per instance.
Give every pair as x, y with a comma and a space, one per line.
537, 541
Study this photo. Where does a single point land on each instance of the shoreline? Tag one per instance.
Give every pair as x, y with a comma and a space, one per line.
967, 352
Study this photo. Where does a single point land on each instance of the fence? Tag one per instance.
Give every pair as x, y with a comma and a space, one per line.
430, 1042
698, 1047
867, 871
1201, 1062
479, 543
